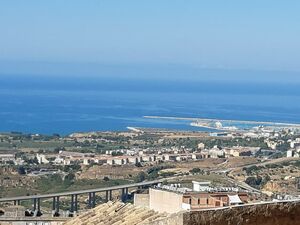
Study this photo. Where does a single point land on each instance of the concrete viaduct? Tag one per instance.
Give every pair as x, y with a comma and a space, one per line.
36, 199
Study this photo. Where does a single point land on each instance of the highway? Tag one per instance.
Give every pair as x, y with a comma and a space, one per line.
119, 187
9, 199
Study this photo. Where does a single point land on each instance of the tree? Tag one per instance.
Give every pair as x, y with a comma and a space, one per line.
265, 180
138, 164
56, 150
106, 179
21, 170
196, 170
55, 135
140, 177
254, 181
251, 169
251, 181
153, 175
69, 179
35, 160
117, 153
165, 182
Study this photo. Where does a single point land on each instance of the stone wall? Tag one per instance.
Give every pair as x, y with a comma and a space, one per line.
283, 213
174, 219
287, 213
262, 214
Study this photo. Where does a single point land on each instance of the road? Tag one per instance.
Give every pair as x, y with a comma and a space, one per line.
239, 183
243, 184
264, 163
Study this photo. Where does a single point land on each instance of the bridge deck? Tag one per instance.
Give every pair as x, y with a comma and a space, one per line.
80, 192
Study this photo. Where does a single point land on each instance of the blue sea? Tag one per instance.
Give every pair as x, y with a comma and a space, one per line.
46, 104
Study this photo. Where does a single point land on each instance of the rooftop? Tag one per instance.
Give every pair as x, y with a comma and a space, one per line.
113, 213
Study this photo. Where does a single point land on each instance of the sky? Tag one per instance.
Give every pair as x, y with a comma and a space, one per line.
79, 36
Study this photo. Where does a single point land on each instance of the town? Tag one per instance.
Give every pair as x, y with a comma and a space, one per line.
193, 170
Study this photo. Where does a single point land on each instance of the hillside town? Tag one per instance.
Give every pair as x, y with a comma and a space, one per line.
109, 155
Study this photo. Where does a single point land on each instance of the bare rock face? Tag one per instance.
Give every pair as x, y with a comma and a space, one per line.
272, 186
263, 214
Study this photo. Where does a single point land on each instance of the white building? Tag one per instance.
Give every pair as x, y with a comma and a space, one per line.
293, 153
134, 160
289, 153
42, 159
201, 146
216, 153
7, 157
201, 186
58, 160
86, 161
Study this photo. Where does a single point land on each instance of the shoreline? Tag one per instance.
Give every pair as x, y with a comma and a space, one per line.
223, 120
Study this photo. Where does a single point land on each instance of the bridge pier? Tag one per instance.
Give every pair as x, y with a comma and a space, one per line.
92, 200
55, 206
106, 196
34, 204
110, 195
124, 195
72, 204
37, 206
17, 202
76, 203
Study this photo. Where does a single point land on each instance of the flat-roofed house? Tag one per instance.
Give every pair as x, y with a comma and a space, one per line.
172, 199
6, 157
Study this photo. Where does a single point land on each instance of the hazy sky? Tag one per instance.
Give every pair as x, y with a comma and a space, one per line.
232, 34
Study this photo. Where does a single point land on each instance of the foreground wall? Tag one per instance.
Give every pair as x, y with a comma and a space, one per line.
174, 219
287, 213
283, 213
264, 214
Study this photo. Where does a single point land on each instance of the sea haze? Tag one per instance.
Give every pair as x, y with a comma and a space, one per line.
45, 104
